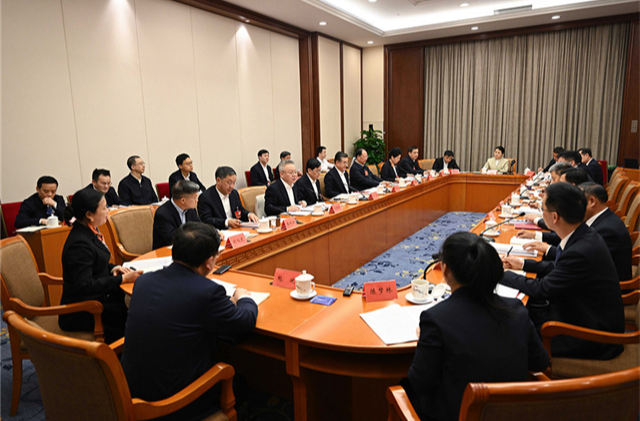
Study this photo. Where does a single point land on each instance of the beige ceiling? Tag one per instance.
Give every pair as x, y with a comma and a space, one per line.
394, 21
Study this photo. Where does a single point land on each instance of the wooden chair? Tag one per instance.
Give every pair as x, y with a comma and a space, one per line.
321, 179
635, 242
614, 175
248, 196
373, 169
426, 164
628, 194
163, 190
25, 291
562, 367
10, 212
247, 178
631, 219
605, 397
3, 227
614, 192
82, 380
605, 170
260, 212
132, 231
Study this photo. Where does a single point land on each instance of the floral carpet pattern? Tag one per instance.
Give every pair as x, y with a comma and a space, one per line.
408, 259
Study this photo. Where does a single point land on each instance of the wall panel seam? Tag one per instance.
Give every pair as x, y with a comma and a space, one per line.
195, 85
144, 110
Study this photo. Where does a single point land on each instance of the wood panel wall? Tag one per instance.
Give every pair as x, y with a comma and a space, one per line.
629, 141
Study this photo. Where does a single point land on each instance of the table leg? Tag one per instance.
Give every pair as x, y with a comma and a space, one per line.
292, 359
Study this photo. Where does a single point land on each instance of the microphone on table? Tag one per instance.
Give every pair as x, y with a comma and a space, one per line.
437, 257
513, 161
491, 240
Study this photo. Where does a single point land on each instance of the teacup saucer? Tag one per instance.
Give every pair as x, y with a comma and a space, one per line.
317, 214
267, 231
490, 234
294, 294
413, 300
504, 215
352, 203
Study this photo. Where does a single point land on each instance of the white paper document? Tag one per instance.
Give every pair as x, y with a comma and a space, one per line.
520, 241
529, 211
252, 225
149, 265
395, 324
299, 213
230, 289
515, 250
31, 229
325, 206
505, 291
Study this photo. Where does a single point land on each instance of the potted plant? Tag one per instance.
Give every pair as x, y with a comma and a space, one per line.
372, 142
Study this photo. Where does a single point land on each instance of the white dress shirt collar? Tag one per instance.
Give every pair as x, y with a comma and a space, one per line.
181, 212
596, 216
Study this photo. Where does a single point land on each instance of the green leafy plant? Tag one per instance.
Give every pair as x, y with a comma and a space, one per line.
372, 142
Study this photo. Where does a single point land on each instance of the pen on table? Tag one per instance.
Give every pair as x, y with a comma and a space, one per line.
509, 251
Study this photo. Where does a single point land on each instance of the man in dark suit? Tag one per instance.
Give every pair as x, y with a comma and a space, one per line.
175, 212
280, 196
308, 187
136, 189
409, 164
581, 286
592, 166
44, 203
184, 172
361, 176
447, 162
101, 181
336, 181
556, 151
220, 205
176, 316
575, 159
261, 173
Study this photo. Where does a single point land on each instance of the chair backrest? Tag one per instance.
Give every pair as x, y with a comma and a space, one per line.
163, 190
247, 178
605, 170
426, 164
260, 206
321, 179
18, 274
133, 228
248, 196
629, 193
10, 212
79, 380
615, 174
373, 169
635, 238
616, 188
612, 396
70, 199
631, 219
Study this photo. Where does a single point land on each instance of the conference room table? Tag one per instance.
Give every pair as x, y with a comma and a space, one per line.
326, 358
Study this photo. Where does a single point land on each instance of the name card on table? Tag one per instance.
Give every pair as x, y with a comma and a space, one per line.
335, 208
529, 173
415, 182
235, 241
491, 216
374, 196
527, 226
430, 177
380, 291
492, 172
285, 278
454, 171
288, 224
395, 189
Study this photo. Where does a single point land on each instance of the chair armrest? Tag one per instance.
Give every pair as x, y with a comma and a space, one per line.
47, 279
620, 213
117, 346
220, 372
551, 329
538, 376
631, 298
125, 254
400, 408
631, 283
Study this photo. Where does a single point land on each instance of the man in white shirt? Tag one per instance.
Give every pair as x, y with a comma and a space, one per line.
322, 157
280, 196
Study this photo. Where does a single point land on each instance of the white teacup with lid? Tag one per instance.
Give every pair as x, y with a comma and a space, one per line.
304, 284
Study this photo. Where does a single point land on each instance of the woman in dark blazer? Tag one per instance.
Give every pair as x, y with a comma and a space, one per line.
86, 270
389, 170
473, 336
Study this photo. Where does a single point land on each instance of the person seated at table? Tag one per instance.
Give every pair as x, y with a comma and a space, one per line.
556, 151
389, 170
409, 164
575, 159
280, 196
175, 212
136, 189
592, 166
220, 205
284, 156
498, 162
447, 162
44, 203
336, 181
581, 286
184, 172
101, 181
361, 176
176, 316
473, 336
86, 270
322, 157
261, 173
575, 176
308, 187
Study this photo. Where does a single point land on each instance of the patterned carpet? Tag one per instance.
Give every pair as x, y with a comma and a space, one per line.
408, 259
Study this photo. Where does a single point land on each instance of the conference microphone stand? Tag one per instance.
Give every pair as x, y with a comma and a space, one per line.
491, 240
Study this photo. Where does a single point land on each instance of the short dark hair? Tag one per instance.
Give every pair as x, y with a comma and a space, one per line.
312, 164
319, 149
575, 176
586, 151
448, 153
568, 201
195, 242
411, 149
95, 176
183, 188
180, 158
262, 152
84, 200
558, 149
284, 154
46, 179
592, 189
358, 152
572, 156
224, 172
500, 148
395, 152
131, 161
339, 156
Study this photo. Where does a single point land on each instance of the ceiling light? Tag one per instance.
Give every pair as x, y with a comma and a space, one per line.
247, 21
323, 23
464, 4
372, 1
369, 42
474, 28
555, 17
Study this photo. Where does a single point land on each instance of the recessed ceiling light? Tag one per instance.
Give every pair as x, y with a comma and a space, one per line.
323, 23
464, 4
555, 17
474, 28
372, 1
247, 21
369, 42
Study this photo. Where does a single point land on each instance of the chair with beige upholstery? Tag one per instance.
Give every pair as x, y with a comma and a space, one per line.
373, 169
321, 180
426, 164
260, 212
632, 218
248, 196
83, 380
606, 397
626, 198
132, 232
614, 176
25, 291
614, 191
562, 367
632, 296
635, 242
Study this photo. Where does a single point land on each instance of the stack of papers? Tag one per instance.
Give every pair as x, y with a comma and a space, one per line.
529, 211
150, 265
395, 324
515, 250
521, 241
252, 225
31, 229
505, 291
230, 289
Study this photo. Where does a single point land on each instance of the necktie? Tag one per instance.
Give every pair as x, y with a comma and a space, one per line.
558, 253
